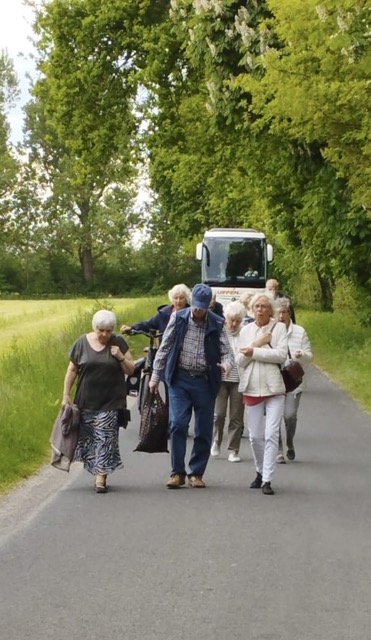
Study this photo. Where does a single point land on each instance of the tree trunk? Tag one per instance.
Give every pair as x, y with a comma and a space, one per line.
87, 263
325, 284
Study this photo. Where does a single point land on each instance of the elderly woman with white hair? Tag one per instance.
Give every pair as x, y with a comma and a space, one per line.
262, 352
228, 395
99, 361
299, 348
179, 296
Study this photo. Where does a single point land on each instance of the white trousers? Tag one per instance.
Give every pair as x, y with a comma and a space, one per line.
264, 421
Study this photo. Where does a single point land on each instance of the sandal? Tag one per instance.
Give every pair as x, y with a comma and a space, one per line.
100, 484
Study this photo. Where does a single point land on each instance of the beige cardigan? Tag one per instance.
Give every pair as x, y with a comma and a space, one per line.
259, 373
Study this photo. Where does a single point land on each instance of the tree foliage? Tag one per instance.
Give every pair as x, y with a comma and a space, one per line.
245, 113
81, 127
288, 94
8, 162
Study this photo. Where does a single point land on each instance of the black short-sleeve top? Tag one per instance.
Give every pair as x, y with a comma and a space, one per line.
100, 379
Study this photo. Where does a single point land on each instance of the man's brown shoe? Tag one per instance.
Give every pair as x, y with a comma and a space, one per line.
175, 481
196, 482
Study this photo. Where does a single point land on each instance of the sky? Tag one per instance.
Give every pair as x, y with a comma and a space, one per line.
15, 30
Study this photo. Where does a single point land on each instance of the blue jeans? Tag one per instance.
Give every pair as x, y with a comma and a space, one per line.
186, 393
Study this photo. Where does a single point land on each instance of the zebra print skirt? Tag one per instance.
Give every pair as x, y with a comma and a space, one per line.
98, 444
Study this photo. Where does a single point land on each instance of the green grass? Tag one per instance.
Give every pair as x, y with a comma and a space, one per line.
342, 348
25, 319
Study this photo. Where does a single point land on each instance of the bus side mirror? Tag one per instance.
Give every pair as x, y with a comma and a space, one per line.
269, 253
199, 251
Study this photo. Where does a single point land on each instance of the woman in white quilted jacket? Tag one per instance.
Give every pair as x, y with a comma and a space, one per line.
263, 350
299, 349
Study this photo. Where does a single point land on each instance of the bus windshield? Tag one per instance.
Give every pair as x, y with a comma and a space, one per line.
234, 261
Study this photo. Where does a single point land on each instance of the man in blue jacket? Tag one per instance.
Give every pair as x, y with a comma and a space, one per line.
194, 351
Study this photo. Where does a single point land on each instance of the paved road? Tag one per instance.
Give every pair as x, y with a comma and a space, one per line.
143, 562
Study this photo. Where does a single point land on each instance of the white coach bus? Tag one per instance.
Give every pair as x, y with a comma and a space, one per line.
234, 261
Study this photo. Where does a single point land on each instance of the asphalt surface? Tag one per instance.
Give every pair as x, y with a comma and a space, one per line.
225, 562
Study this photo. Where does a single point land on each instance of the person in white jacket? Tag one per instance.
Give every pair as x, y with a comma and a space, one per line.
262, 352
299, 348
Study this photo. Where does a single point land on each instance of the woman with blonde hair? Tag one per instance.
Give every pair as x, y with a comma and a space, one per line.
262, 352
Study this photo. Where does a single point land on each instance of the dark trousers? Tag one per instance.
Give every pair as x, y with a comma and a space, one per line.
290, 416
187, 393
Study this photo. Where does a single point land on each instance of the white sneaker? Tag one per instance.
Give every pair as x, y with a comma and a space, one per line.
281, 459
215, 450
234, 457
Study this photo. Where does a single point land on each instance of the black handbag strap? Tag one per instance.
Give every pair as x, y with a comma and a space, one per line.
278, 365
272, 332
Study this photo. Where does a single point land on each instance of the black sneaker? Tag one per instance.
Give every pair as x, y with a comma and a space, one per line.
267, 489
257, 483
290, 454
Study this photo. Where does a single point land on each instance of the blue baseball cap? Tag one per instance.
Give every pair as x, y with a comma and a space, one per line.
201, 296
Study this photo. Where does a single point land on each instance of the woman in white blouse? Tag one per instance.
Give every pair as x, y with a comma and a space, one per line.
263, 350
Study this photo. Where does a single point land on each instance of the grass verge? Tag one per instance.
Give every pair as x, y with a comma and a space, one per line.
341, 347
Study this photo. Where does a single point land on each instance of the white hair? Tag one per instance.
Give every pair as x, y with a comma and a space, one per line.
271, 301
283, 303
104, 319
235, 308
180, 289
